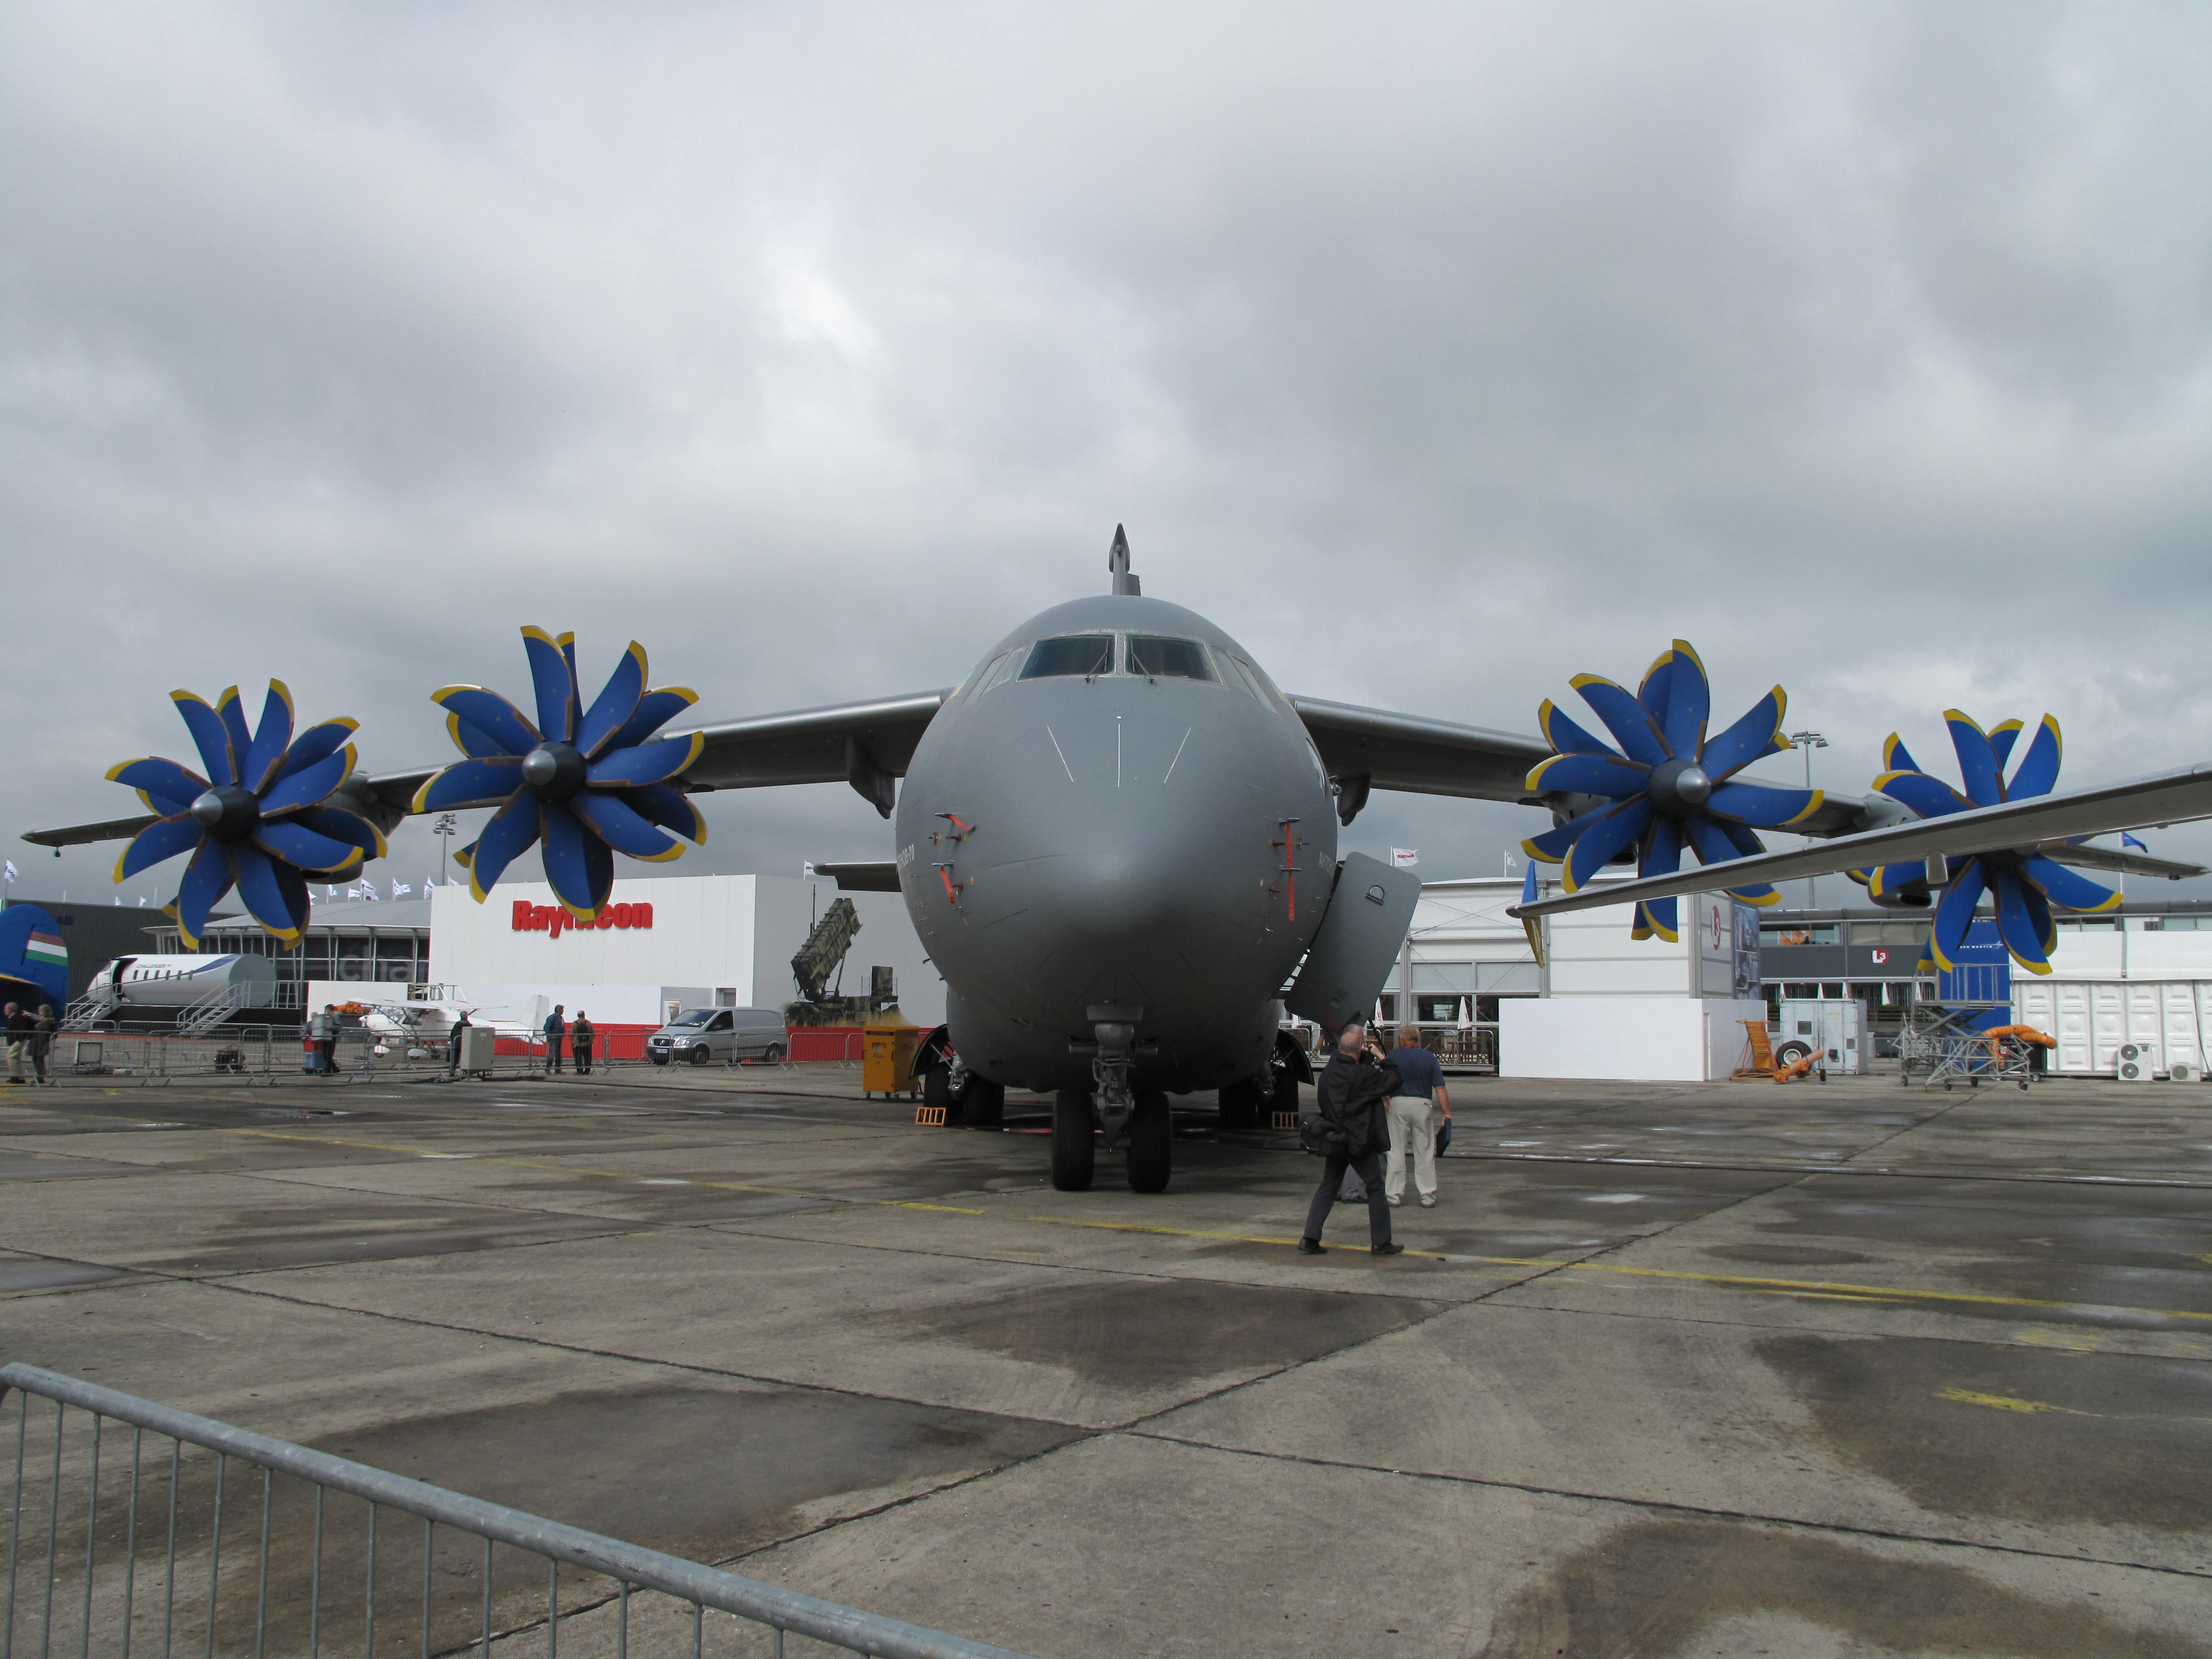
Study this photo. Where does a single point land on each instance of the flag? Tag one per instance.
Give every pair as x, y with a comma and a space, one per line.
47, 948
368, 891
1405, 857
2126, 840
118, 901
1530, 925
330, 893
13, 873
400, 890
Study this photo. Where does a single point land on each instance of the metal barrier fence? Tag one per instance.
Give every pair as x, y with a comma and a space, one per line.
139, 1559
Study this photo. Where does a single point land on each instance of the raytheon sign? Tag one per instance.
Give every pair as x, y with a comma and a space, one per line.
553, 920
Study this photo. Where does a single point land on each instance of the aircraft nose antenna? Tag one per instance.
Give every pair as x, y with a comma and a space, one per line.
1117, 560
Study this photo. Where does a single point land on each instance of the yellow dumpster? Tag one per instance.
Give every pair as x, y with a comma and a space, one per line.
887, 1060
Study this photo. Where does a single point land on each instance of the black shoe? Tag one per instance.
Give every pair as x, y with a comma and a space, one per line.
1310, 1247
1387, 1250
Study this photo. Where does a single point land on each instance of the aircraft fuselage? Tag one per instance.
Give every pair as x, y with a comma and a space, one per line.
1096, 821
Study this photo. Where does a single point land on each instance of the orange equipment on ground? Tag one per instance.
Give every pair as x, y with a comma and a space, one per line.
1758, 1060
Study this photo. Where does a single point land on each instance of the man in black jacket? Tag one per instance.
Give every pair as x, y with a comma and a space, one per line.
1352, 1095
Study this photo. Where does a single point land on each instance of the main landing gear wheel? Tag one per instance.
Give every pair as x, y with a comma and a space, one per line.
936, 1091
1074, 1144
1152, 1143
1240, 1105
983, 1104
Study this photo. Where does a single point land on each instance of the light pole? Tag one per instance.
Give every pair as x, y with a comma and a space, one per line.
445, 826
1808, 741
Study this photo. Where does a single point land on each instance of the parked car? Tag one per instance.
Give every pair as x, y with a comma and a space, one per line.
699, 1034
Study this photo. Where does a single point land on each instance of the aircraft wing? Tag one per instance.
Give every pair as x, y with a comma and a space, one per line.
866, 744
1418, 755
862, 877
2161, 798
2118, 861
1375, 749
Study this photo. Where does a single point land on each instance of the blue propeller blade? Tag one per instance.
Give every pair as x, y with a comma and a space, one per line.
470, 741
1896, 757
668, 807
317, 744
1977, 761
1658, 683
157, 841
655, 710
2002, 737
1563, 735
341, 825
1619, 829
622, 829
1633, 729
1588, 774
1689, 701
554, 681
1662, 856
1710, 841
2016, 926
2070, 890
231, 710
1552, 846
649, 763
506, 836
279, 905
491, 714
209, 736
167, 787
2038, 913
2038, 768
470, 783
1762, 805
616, 701
1955, 914
1728, 752
269, 742
1887, 881
580, 880
302, 848
309, 787
207, 878
1931, 797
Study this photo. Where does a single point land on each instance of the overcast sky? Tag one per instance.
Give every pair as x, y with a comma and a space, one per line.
1438, 353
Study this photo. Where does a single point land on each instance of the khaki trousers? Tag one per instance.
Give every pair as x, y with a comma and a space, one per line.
1412, 1126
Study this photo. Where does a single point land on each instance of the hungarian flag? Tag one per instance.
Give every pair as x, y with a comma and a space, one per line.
47, 948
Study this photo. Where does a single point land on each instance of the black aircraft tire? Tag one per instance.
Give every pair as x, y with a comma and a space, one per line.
1240, 1105
1151, 1145
983, 1104
937, 1091
1790, 1052
1074, 1147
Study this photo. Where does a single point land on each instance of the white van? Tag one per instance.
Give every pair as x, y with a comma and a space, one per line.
699, 1034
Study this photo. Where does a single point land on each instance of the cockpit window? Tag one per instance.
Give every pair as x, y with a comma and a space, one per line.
1245, 675
999, 669
1166, 658
1088, 654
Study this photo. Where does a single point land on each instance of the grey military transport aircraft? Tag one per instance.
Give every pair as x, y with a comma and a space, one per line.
1116, 838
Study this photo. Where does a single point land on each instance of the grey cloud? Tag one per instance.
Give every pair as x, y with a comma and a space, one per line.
1868, 347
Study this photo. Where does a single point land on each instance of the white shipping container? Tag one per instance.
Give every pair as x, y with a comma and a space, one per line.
2168, 1021
1832, 1030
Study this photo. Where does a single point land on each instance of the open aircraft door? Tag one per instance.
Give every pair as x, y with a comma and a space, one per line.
1369, 914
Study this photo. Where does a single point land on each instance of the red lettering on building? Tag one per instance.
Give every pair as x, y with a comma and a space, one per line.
553, 920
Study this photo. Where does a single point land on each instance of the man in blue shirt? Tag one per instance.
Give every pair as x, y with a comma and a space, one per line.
555, 1029
1414, 1118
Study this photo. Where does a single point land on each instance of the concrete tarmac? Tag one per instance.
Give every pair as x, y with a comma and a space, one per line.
1670, 1369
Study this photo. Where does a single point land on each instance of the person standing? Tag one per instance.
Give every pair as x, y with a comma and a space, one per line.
326, 1040
1350, 1094
42, 1040
1413, 1120
18, 1034
555, 1029
579, 1044
453, 1038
